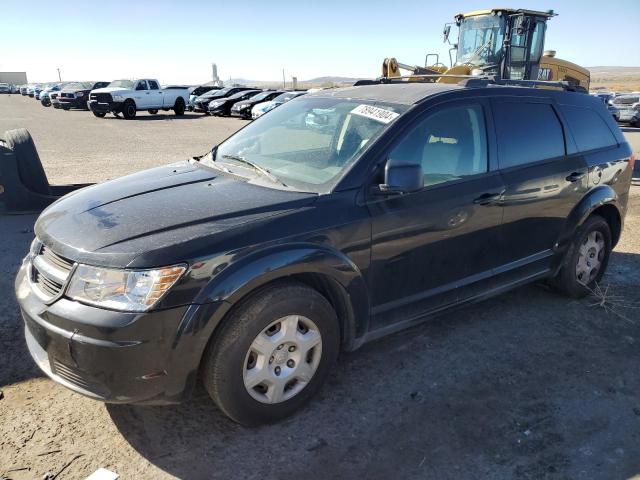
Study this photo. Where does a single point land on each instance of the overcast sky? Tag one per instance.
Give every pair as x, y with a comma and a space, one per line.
176, 41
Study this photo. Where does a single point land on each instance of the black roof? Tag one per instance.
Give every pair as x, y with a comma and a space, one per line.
406, 93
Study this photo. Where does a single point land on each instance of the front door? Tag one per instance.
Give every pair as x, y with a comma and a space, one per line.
141, 95
434, 247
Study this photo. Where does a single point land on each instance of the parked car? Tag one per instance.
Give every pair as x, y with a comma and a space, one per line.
222, 106
76, 94
38, 89
195, 92
5, 88
130, 96
201, 104
243, 108
55, 102
628, 107
338, 218
31, 90
262, 108
23, 89
45, 95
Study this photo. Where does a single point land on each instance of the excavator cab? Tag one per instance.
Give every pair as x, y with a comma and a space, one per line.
505, 43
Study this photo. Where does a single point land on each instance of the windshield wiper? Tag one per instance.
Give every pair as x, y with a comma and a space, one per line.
256, 167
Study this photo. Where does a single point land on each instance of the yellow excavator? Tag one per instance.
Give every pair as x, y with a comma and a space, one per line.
504, 43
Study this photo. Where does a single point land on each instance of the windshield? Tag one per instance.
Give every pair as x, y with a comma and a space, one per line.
122, 84
217, 93
480, 41
285, 97
261, 96
626, 100
306, 144
76, 86
242, 94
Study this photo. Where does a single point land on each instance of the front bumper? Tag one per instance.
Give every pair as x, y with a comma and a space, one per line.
630, 117
77, 102
104, 107
115, 357
244, 113
221, 110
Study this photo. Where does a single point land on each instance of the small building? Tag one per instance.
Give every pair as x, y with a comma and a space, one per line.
13, 78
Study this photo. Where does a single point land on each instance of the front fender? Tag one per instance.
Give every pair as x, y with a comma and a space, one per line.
242, 276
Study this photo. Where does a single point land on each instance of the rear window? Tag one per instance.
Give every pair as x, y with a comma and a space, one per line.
626, 100
589, 129
527, 132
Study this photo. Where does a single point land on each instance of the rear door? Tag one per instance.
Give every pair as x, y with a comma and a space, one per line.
543, 182
155, 94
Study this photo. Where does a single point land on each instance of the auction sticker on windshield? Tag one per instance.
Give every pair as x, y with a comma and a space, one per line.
375, 113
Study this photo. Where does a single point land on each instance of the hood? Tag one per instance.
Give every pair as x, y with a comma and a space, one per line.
111, 90
140, 220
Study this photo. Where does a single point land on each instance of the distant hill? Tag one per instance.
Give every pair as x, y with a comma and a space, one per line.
328, 81
616, 79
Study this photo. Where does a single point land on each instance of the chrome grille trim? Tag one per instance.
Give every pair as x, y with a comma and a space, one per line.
49, 274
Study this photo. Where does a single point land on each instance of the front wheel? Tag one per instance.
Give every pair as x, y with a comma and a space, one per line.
129, 109
153, 111
586, 259
99, 114
272, 354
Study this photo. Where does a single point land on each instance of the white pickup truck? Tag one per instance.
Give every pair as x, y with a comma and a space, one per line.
130, 96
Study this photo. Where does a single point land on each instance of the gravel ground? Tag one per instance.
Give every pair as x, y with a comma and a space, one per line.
527, 385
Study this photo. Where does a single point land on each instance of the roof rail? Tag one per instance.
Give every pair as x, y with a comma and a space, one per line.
473, 81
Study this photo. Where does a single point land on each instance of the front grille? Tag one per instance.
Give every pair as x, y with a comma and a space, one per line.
76, 377
67, 95
101, 97
50, 273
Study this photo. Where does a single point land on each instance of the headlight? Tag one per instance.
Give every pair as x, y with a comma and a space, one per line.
128, 290
79, 94
215, 104
118, 98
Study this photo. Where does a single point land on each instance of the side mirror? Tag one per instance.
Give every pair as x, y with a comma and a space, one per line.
446, 32
401, 177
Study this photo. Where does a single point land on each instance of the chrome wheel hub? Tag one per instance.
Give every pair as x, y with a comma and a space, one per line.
282, 359
590, 258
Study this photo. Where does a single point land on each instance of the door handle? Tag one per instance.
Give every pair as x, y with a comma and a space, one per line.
575, 176
488, 198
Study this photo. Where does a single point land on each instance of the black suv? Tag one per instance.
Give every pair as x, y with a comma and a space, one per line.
338, 218
201, 104
76, 94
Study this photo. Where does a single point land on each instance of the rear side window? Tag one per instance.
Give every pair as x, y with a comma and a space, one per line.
589, 129
153, 85
527, 132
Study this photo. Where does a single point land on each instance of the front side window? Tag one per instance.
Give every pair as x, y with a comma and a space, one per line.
307, 143
449, 144
142, 85
527, 132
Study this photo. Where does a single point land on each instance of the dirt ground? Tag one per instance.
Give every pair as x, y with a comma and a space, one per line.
527, 385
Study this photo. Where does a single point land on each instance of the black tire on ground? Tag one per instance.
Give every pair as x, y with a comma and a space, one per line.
66, 109
45, 103
224, 360
567, 280
153, 111
129, 109
99, 114
29, 166
179, 106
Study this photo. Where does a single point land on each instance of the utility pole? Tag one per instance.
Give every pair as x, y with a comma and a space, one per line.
284, 83
59, 77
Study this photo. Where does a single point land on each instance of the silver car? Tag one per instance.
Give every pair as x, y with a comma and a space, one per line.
628, 107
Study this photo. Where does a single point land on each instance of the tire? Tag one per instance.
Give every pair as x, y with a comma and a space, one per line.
153, 111
129, 109
45, 103
29, 165
179, 106
230, 351
99, 114
567, 281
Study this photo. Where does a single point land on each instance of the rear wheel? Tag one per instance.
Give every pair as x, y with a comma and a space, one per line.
99, 114
272, 354
29, 165
153, 111
129, 109
179, 106
587, 258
